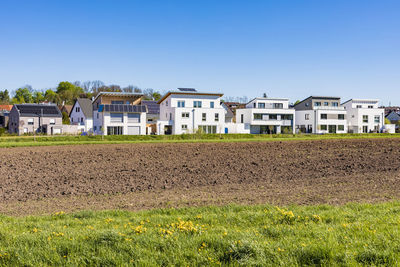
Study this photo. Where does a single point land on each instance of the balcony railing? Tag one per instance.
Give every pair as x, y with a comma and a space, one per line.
329, 108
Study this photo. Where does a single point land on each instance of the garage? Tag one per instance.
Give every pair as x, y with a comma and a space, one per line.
56, 131
133, 130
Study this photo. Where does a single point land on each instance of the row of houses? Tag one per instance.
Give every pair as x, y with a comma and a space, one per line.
186, 110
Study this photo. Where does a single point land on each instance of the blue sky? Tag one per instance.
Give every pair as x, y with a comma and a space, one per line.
240, 48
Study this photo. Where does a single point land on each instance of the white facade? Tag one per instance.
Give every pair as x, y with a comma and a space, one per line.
364, 116
77, 117
127, 125
313, 121
266, 115
321, 115
119, 113
188, 112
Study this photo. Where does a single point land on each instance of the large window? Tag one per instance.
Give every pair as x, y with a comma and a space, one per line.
370, 106
335, 104
30, 121
116, 117
241, 118
306, 117
377, 119
323, 127
77, 109
211, 104
286, 117
317, 104
261, 105
181, 104
204, 116
52, 121
278, 105
184, 126
134, 117
341, 116
197, 104
358, 106
185, 115
273, 116
326, 103
210, 129
340, 127
257, 116
324, 116
216, 117
365, 118
114, 130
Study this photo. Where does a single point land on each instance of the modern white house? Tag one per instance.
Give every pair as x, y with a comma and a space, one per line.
187, 111
320, 115
266, 116
82, 114
119, 113
364, 116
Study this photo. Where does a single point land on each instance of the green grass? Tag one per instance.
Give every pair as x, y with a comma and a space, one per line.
354, 234
16, 141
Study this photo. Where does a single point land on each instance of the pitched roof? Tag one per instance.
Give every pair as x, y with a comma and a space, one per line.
36, 110
6, 107
86, 106
67, 108
393, 116
152, 106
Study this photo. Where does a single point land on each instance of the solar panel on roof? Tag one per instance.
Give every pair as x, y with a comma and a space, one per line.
187, 89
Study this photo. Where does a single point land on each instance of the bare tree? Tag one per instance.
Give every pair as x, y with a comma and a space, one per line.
95, 85
128, 89
114, 88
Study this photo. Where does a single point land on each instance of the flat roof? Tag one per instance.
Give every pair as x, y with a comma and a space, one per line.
186, 93
361, 100
320, 98
117, 94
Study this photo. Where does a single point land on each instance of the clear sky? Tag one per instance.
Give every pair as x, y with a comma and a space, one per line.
284, 48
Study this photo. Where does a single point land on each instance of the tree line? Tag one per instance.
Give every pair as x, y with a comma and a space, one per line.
67, 92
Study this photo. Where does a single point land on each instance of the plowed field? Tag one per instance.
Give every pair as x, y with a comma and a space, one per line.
38, 180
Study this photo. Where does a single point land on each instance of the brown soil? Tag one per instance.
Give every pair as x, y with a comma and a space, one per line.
40, 180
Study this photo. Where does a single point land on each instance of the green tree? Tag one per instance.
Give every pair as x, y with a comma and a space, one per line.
23, 95
387, 121
298, 101
38, 97
65, 118
68, 92
4, 97
51, 96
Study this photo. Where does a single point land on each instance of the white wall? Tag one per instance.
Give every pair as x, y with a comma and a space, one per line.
76, 116
315, 120
248, 118
125, 123
195, 114
355, 116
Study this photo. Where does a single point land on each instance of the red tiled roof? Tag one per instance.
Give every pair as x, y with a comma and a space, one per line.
6, 107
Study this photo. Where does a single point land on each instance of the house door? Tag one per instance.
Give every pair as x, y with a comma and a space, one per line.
365, 129
168, 129
332, 128
226, 130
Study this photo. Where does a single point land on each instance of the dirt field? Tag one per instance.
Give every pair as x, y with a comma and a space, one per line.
39, 180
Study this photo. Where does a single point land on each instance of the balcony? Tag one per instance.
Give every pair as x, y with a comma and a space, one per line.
328, 108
